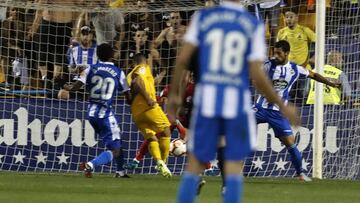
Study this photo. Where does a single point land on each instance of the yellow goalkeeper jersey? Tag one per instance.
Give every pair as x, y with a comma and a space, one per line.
139, 103
299, 39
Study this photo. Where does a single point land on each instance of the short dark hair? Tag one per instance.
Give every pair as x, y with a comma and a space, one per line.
104, 52
292, 10
284, 45
139, 58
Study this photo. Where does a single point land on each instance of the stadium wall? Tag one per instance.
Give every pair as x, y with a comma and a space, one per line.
65, 138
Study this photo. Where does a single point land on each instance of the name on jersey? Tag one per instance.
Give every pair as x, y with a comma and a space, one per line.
221, 79
107, 69
280, 84
328, 72
226, 17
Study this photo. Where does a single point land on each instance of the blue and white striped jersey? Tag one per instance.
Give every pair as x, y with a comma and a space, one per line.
81, 56
228, 38
283, 78
103, 81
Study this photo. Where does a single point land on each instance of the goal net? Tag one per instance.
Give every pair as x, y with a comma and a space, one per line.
43, 128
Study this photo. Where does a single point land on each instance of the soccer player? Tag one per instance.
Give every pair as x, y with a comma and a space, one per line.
283, 75
180, 125
231, 47
144, 147
104, 79
147, 114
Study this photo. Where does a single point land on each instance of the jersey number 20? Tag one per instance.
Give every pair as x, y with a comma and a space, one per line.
105, 85
227, 51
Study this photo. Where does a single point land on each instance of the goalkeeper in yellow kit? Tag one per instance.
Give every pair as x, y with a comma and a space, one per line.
147, 114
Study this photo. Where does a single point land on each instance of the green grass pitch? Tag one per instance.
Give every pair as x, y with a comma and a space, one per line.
73, 187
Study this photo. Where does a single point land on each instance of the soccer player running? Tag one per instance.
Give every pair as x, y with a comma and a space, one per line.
231, 47
147, 114
283, 75
103, 80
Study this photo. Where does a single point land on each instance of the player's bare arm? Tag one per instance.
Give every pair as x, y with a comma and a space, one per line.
129, 97
161, 38
159, 77
81, 20
77, 19
139, 86
37, 19
120, 37
264, 86
176, 94
74, 86
322, 79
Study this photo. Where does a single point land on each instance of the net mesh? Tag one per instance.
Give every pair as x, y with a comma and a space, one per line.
40, 132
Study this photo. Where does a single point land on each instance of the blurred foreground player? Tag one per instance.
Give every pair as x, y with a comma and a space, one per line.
231, 47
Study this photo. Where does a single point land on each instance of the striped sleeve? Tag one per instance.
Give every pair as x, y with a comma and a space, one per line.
123, 83
258, 45
192, 34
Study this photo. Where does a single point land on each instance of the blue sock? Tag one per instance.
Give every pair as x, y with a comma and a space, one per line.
103, 158
296, 158
187, 188
120, 161
234, 188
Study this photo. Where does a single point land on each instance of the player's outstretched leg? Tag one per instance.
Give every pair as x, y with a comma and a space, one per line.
154, 150
296, 160
103, 158
120, 172
181, 129
296, 157
209, 170
164, 170
164, 144
133, 164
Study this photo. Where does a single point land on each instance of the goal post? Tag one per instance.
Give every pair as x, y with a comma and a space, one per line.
319, 88
39, 132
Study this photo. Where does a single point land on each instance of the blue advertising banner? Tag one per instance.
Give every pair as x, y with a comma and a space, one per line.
54, 135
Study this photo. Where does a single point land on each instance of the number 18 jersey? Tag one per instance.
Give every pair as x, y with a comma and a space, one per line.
103, 81
227, 37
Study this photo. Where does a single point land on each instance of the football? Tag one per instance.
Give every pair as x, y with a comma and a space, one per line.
177, 147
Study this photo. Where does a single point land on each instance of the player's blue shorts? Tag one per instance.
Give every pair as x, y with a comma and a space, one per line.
276, 120
204, 136
108, 130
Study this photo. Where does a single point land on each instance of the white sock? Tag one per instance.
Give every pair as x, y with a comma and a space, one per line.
121, 173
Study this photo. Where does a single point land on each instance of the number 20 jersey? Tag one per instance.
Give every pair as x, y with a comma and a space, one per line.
103, 81
227, 38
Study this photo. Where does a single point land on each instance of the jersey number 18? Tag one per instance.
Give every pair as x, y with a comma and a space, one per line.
227, 51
